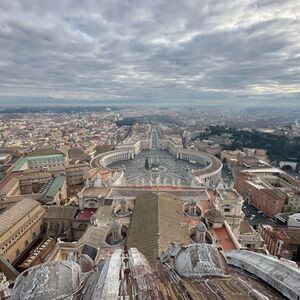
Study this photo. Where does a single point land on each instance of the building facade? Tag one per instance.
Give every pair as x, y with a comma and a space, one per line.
281, 241
20, 226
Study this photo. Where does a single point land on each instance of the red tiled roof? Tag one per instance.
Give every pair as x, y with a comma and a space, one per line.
224, 239
7, 179
86, 213
103, 173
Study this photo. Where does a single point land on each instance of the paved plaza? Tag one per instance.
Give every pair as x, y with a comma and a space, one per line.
169, 170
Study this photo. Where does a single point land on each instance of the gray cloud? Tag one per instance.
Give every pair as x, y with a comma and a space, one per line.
151, 50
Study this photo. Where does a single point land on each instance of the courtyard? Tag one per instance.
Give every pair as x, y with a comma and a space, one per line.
164, 169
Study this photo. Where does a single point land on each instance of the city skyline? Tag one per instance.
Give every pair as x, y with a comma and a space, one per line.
125, 52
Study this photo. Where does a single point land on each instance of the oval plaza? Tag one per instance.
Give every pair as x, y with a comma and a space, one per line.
156, 161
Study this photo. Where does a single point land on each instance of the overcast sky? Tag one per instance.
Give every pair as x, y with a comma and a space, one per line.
201, 51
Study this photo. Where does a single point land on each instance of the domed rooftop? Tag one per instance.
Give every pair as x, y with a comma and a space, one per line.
200, 260
38, 282
201, 227
63, 280
115, 225
214, 216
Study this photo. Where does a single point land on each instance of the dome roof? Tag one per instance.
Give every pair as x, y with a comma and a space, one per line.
36, 283
214, 216
200, 260
115, 225
201, 227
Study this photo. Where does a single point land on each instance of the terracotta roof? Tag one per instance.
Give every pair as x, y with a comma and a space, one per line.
7, 179
294, 235
86, 214
224, 239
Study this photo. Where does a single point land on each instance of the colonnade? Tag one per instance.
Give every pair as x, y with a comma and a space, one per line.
209, 175
110, 157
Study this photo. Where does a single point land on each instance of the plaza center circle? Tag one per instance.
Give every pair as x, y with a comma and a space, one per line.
167, 170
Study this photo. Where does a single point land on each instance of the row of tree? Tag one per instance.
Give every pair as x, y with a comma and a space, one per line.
278, 147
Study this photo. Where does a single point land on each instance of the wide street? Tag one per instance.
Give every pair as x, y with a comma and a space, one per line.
254, 216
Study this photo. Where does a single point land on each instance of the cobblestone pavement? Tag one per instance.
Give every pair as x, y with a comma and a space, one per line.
171, 171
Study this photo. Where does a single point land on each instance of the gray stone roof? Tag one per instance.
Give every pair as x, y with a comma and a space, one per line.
129, 275
279, 274
52, 280
200, 260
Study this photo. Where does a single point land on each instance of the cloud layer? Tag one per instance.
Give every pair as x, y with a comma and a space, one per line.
170, 51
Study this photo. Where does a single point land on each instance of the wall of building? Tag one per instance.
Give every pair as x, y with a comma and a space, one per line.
277, 242
76, 175
14, 242
269, 203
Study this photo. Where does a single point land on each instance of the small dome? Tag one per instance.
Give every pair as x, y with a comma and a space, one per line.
201, 227
36, 284
115, 225
200, 260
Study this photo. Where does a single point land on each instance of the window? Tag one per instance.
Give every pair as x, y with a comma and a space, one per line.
26, 243
17, 252
226, 208
33, 235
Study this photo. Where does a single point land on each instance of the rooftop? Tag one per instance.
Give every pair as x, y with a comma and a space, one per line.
224, 238
86, 213
270, 269
60, 212
156, 222
129, 275
245, 227
21, 161
14, 214
56, 184
44, 156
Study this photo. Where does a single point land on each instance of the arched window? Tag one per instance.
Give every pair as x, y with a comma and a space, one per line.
226, 208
